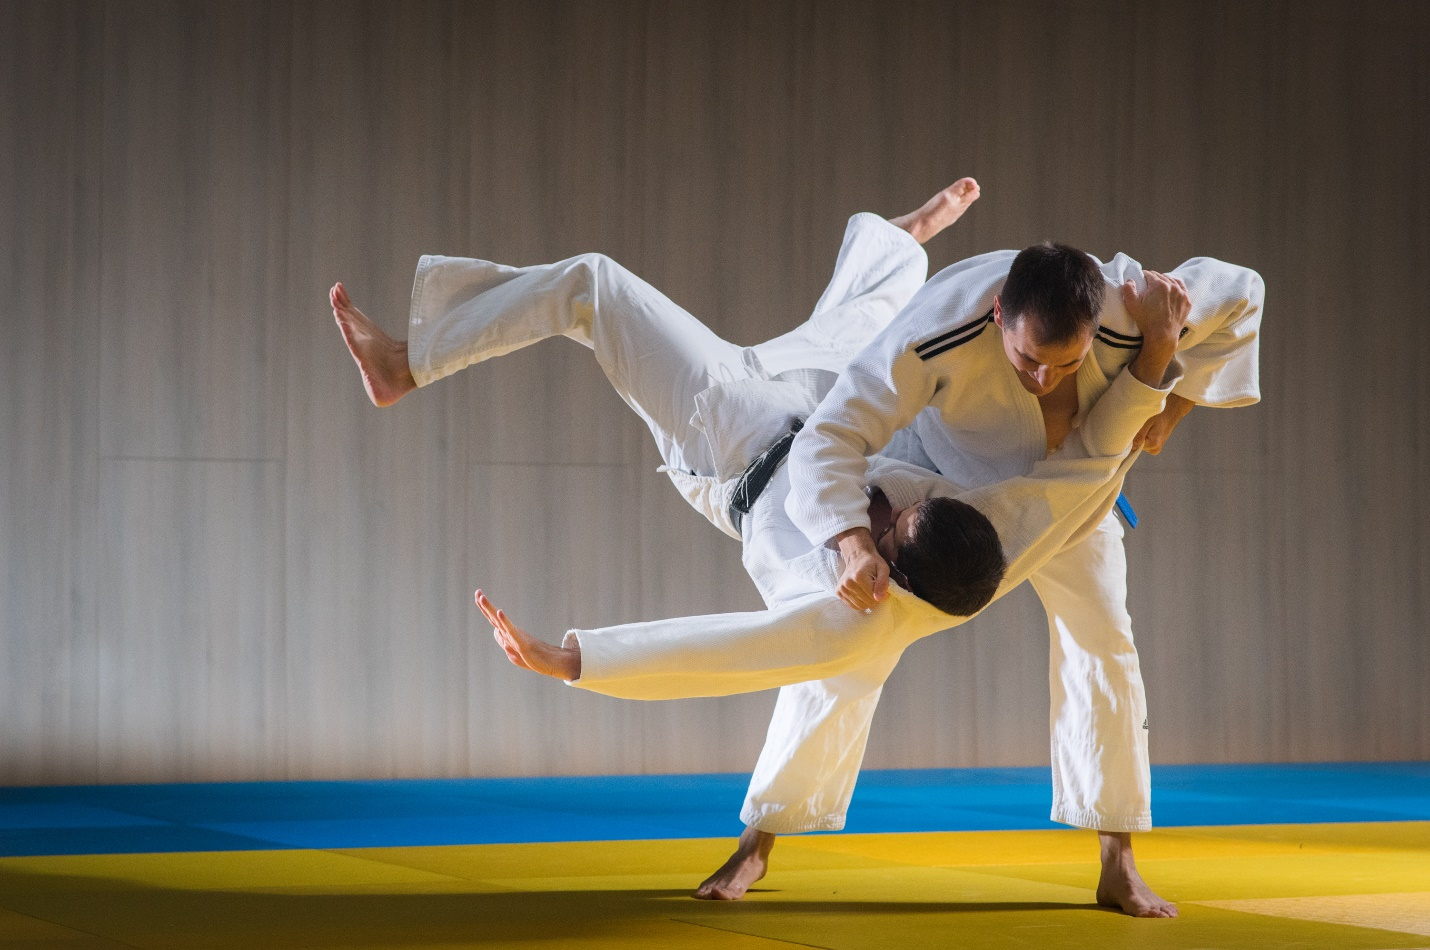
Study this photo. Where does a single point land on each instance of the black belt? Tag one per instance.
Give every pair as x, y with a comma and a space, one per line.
754, 479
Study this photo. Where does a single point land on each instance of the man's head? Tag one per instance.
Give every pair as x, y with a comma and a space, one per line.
948, 552
1048, 313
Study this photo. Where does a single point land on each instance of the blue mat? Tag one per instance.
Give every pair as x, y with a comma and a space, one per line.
272, 815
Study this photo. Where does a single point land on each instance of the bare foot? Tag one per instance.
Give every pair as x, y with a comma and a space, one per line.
526, 651
383, 360
1121, 887
746, 866
939, 211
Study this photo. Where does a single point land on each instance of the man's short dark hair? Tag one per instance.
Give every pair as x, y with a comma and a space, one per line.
1058, 287
953, 558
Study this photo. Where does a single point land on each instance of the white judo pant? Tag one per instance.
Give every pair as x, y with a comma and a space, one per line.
807, 770
1098, 712
659, 358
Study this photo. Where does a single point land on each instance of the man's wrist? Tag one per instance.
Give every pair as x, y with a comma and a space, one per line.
1150, 365
1165, 337
1179, 405
855, 541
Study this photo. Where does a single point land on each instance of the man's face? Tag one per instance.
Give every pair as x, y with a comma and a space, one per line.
900, 529
1040, 366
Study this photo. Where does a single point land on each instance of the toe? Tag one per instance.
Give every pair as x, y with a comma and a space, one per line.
714, 893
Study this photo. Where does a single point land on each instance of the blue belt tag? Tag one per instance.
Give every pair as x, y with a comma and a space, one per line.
1124, 508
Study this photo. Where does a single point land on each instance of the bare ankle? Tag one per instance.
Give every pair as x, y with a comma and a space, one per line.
757, 841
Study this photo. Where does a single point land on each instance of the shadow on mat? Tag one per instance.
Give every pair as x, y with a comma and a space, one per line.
410, 915
856, 906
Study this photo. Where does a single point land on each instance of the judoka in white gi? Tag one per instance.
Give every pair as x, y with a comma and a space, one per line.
879, 269
980, 380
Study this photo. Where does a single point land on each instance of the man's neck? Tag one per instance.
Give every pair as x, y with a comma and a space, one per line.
1059, 410
881, 513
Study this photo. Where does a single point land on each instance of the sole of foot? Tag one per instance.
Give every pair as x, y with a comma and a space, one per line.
381, 359
940, 211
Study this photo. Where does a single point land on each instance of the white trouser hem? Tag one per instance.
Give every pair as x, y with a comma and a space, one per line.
415, 328
788, 825
1083, 818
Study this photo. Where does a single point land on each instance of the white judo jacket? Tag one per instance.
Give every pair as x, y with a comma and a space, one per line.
807, 632
936, 388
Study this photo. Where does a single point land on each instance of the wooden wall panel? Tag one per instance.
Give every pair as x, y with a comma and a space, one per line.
49, 280
191, 638
1201, 606
194, 231
200, 508
974, 696
1348, 510
375, 501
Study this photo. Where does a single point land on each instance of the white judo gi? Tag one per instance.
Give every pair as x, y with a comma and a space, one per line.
937, 388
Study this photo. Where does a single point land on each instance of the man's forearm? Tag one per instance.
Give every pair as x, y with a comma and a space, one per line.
1150, 366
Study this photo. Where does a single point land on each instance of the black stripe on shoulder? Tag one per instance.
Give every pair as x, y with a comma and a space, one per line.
955, 337
1119, 336
951, 344
1122, 340
1108, 341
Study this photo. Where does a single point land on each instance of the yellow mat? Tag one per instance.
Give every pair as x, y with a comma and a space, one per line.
1262, 887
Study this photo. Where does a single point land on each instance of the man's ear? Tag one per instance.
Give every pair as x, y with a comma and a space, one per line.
998, 310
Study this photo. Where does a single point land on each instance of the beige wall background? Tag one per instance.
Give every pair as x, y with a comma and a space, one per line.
219, 561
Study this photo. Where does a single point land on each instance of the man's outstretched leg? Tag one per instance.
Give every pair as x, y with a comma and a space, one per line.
465, 311
743, 868
382, 360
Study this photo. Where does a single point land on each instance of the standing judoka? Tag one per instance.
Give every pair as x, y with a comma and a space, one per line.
983, 374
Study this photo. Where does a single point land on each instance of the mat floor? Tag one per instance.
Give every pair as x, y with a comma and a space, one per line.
1298, 883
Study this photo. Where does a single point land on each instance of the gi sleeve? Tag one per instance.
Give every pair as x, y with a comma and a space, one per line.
884, 387
814, 637
1116, 418
1221, 363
